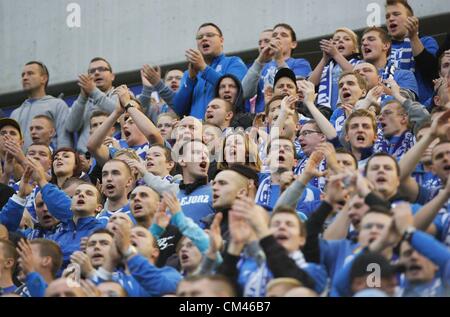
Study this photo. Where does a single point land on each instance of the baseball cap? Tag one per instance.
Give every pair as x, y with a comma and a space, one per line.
284, 72
11, 122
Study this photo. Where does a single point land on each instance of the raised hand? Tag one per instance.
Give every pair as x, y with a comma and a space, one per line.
215, 235
375, 93
441, 125
248, 210
412, 25
16, 151
328, 47
87, 84
25, 188
240, 230
308, 90
266, 55
151, 74
137, 165
39, 175
124, 95
26, 258
194, 57
172, 202
160, 218
82, 259
329, 153
403, 217
122, 236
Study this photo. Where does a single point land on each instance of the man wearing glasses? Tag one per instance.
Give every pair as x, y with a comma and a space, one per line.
35, 77
207, 64
96, 88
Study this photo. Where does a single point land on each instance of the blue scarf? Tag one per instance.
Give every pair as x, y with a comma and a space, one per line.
402, 56
257, 281
396, 149
318, 182
264, 193
328, 90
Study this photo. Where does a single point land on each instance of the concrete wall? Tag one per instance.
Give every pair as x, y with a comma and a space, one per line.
135, 32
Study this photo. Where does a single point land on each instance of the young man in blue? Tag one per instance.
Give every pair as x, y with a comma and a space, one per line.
278, 54
206, 65
281, 240
40, 261
117, 182
281, 155
403, 27
195, 194
8, 262
375, 45
138, 130
77, 215
124, 246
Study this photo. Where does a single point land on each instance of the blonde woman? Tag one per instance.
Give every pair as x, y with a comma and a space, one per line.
340, 54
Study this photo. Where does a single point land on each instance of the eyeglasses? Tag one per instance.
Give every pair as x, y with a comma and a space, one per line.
308, 132
101, 69
207, 35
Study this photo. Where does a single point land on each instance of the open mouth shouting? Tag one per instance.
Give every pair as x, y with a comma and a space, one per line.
346, 95
203, 166
127, 134
361, 139
97, 258
414, 269
227, 97
184, 258
109, 188
281, 237
381, 180
393, 27
341, 48
138, 209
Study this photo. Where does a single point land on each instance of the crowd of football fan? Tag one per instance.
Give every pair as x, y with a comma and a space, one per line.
226, 180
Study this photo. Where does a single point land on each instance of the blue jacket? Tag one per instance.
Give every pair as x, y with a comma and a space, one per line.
70, 234
197, 204
194, 95
12, 213
334, 254
36, 284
